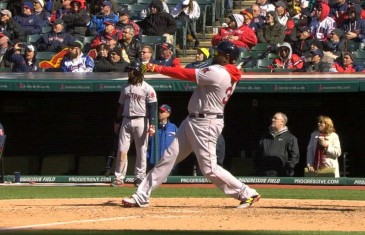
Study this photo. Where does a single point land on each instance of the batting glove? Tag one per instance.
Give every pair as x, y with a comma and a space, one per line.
149, 67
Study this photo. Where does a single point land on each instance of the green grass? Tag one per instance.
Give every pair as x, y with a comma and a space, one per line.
19, 192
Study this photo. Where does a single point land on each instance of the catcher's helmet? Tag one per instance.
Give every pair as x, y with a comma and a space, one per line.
136, 67
229, 49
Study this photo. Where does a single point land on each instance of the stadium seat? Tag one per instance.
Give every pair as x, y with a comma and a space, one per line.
359, 54
46, 29
153, 41
263, 63
32, 38
272, 55
261, 46
135, 10
181, 31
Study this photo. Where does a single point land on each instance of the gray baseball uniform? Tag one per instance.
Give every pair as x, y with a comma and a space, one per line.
134, 100
199, 133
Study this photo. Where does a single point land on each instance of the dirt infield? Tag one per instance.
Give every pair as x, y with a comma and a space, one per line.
182, 214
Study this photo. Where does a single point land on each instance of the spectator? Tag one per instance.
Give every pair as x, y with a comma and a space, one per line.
304, 20
56, 40
159, 23
129, 44
24, 58
97, 25
265, 6
336, 45
40, 11
316, 64
237, 33
321, 24
271, 31
113, 63
346, 64
257, 18
324, 147
29, 21
146, 54
10, 27
284, 17
4, 51
354, 26
66, 7
279, 151
189, 11
250, 21
302, 46
102, 54
202, 59
76, 19
286, 59
165, 134
167, 57
337, 10
108, 33
144, 13
76, 61
124, 20
95, 6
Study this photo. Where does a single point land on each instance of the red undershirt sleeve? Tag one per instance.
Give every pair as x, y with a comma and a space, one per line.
178, 73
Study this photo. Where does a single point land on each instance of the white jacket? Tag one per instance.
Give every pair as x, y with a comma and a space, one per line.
332, 153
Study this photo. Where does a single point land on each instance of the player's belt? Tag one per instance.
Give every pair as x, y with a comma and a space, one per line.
206, 115
135, 117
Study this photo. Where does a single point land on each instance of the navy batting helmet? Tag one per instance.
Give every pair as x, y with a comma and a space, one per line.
136, 67
229, 49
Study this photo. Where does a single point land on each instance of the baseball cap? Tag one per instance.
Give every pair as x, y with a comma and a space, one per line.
41, 2
165, 108
166, 46
317, 52
205, 51
6, 12
247, 12
58, 21
30, 47
116, 50
107, 3
338, 32
76, 43
28, 5
280, 4
123, 12
109, 22
305, 29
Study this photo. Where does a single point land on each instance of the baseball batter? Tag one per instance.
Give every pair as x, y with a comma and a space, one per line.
200, 130
136, 114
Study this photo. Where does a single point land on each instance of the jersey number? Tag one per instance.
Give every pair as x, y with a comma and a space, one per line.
229, 92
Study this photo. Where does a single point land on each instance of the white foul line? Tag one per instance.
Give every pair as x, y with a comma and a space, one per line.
82, 221
69, 222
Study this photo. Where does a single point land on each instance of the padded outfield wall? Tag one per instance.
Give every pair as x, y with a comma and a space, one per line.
57, 114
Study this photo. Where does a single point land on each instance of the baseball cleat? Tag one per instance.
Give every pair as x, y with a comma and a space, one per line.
131, 202
248, 202
117, 183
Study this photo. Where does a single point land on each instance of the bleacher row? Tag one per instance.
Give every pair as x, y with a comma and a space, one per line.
135, 7
260, 57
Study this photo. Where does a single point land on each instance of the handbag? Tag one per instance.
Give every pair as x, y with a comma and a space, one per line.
324, 172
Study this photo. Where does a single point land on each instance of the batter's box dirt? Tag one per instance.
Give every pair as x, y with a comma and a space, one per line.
182, 214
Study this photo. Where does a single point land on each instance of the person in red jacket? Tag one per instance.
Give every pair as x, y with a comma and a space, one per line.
237, 33
346, 64
108, 33
286, 59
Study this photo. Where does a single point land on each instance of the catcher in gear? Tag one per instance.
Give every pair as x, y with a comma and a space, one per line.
199, 132
135, 122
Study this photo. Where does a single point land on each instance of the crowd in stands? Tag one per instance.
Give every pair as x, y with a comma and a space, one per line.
304, 35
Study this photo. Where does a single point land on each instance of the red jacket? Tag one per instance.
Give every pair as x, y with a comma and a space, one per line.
336, 67
247, 37
295, 62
